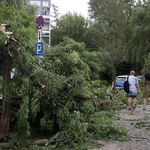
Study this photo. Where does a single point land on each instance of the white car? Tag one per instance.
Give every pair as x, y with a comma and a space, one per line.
119, 82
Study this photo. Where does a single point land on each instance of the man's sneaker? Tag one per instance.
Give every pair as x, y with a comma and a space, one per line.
129, 108
144, 107
134, 107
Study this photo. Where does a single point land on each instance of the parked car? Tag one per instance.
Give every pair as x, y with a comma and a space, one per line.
119, 81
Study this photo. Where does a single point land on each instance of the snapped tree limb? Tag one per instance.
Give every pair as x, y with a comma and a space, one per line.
15, 45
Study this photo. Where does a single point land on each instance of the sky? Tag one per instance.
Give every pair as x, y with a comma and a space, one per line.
78, 6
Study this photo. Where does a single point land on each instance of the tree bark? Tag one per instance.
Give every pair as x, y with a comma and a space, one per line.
5, 115
39, 142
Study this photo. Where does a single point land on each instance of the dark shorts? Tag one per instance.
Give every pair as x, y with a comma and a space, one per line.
132, 94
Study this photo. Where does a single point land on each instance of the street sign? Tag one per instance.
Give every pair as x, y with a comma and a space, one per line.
39, 49
39, 35
39, 22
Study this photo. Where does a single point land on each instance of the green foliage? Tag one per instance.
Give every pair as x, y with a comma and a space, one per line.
94, 62
119, 101
35, 103
138, 42
24, 26
69, 25
103, 127
92, 36
6, 15
66, 58
74, 130
23, 124
98, 89
20, 143
65, 73
110, 28
17, 4
146, 67
5, 139
88, 108
46, 124
85, 125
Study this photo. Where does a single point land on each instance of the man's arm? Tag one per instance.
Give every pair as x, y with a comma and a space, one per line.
138, 86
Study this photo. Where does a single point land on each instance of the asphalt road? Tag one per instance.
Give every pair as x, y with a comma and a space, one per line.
138, 124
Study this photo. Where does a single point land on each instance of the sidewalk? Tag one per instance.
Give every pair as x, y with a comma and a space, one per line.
138, 124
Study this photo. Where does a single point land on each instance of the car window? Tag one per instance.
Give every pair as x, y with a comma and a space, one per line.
120, 79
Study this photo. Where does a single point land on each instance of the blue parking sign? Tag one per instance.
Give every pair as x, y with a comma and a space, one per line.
39, 49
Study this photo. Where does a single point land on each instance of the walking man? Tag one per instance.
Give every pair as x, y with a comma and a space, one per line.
134, 88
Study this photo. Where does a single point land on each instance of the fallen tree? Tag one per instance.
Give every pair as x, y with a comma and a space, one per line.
14, 45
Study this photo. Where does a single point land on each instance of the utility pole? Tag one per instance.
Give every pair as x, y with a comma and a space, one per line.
49, 23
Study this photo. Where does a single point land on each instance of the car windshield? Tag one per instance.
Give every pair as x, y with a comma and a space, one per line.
120, 79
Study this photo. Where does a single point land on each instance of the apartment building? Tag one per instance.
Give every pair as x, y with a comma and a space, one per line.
43, 9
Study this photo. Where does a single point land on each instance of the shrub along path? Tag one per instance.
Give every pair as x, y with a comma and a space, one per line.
138, 124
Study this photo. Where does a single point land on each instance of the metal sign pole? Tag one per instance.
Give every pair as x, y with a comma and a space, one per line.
40, 41
40, 44
39, 25
40, 31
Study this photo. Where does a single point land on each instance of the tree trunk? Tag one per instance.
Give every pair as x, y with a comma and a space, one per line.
5, 114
